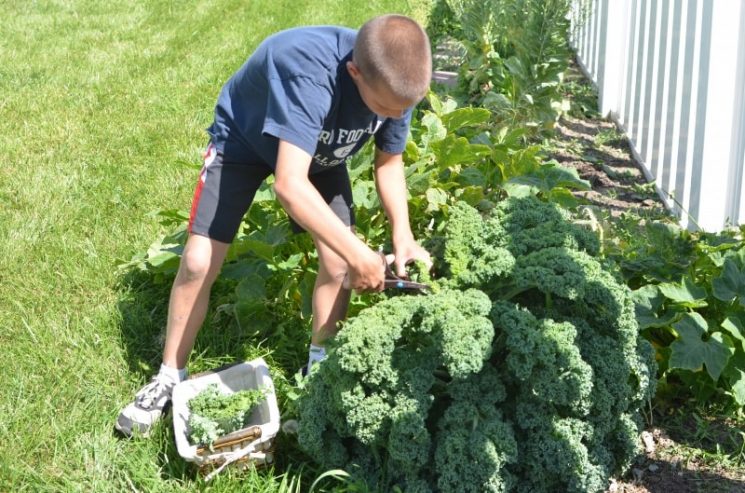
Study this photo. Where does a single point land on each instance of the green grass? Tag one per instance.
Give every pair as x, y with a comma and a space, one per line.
103, 107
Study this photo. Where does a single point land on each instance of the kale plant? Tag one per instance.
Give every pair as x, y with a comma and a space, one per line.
213, 414
523, 371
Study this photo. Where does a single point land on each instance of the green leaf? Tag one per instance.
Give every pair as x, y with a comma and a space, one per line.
364, 194
253, 317
648, 303
265, 193
685, 293
277, 234
465, 117
518, 190
454, 150
434, 102
563, 197
731, 283
738, 387
550, 176
251, 288
471, 195
417, 184
472, 176
690, 351
244, 268
412, 151
496, 100
260, 249
559, 176
306, 292
734, 327
735, 375
449, 106
435, 129
647, 297
510, 137
291, 262
515, 66
170, 217
435, 198
163, 259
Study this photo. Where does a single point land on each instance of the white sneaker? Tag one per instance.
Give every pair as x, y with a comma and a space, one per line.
148, 407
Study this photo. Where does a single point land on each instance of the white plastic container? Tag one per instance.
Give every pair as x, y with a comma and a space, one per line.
250, 445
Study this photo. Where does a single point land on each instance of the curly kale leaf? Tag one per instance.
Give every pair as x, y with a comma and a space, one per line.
213, 413
387, 375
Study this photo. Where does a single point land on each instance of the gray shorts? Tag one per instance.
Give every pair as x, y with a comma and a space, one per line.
226, 189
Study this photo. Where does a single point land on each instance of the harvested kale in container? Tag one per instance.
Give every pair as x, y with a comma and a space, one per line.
214, 414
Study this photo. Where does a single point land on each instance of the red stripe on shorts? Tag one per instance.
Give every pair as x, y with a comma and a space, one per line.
195, 201
209, 156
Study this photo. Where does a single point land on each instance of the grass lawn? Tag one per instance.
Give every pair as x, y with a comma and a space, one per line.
102, 114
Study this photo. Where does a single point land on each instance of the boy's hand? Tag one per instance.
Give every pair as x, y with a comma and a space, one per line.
366, 273
407, 251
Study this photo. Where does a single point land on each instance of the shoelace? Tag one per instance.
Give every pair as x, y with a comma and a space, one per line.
151, 392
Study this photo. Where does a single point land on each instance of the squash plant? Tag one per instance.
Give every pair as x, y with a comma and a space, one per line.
690, 296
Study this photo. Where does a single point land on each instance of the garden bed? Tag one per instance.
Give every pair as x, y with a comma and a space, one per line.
686, 450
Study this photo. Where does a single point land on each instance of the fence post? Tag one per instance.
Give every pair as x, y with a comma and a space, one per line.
736, 206
616, 26
718, 165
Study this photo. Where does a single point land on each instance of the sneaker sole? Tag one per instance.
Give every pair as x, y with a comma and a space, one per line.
126, 430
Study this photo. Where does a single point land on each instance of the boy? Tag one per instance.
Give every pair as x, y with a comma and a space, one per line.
305, 101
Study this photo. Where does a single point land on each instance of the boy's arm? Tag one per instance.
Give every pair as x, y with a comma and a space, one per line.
390, 182
306, 206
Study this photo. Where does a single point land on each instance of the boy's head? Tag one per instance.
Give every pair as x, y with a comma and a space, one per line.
391, 64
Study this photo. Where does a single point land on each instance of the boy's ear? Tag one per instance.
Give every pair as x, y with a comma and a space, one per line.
353, 70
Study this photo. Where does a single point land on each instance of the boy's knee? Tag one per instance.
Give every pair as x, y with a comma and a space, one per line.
195, 264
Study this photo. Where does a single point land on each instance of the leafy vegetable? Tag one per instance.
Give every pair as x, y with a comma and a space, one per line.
213, 414
523, 371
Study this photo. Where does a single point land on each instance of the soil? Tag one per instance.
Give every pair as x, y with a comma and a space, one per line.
670, 466
601, 155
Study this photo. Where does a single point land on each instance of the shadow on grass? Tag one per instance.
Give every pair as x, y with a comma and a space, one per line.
143, 308
714, 435
143, 305
696, 451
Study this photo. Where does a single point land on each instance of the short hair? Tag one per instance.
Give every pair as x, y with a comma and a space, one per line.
394, 50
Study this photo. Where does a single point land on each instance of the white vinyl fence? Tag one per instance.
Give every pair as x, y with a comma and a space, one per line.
671, 73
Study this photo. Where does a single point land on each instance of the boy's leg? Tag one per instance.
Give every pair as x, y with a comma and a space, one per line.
330, 298
223, 195
200, 265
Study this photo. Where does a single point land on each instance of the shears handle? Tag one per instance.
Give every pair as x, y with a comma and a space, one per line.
392, 281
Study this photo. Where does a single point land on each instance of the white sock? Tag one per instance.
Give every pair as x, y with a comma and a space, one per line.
315, 354
175, 374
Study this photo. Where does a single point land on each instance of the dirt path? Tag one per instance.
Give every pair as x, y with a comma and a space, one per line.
601, 155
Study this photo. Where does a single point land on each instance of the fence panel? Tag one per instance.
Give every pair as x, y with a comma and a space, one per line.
671, 73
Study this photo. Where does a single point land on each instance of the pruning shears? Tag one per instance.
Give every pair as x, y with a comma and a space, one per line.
392, 281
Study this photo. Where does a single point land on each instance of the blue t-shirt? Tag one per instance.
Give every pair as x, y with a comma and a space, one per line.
296, 87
